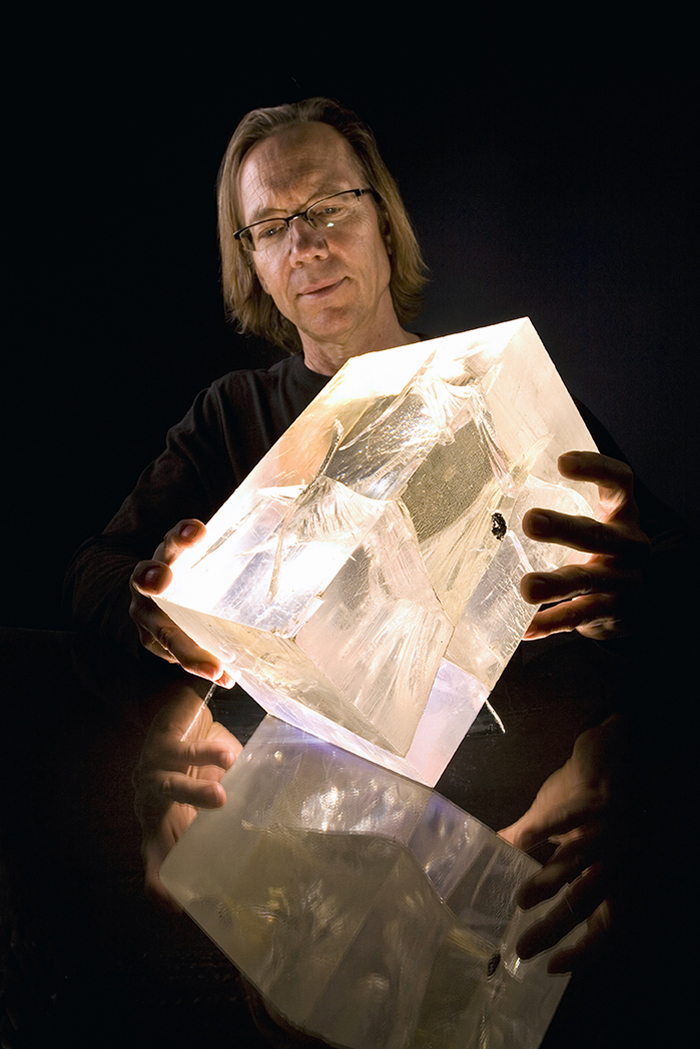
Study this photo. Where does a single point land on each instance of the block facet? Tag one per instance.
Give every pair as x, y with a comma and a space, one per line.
376, 551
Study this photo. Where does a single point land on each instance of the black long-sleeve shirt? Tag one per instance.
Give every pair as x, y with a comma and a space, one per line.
228, 429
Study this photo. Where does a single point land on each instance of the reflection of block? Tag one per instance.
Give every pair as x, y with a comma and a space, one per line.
364, 580
366, 908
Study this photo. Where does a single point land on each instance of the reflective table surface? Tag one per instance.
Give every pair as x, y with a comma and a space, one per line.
89, 959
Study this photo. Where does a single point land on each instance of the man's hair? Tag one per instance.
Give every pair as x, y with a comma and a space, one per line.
244, 297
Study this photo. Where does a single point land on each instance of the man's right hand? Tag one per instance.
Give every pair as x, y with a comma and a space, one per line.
157, 632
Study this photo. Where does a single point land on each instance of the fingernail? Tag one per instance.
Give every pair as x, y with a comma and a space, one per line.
570, 460
538, 587
152, 577
188, 531
539, 523
207, 670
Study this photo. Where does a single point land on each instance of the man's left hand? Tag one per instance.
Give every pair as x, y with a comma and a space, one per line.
599, 598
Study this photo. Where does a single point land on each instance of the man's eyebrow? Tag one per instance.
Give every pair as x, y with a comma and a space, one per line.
326, 189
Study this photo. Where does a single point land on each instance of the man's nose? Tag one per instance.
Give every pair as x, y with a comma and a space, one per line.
305, 241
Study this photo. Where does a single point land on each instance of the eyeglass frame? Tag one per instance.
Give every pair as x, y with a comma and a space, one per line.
288, 219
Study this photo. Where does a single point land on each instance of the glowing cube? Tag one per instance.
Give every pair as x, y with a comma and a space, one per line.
363, 582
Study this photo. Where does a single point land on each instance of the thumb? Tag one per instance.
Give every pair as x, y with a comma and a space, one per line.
540, 823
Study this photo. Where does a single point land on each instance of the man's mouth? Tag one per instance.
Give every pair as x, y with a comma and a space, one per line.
318, 291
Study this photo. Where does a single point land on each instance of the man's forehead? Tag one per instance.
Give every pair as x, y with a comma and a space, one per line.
292, 165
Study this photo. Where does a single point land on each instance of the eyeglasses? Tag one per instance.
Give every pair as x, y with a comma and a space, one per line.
270, 234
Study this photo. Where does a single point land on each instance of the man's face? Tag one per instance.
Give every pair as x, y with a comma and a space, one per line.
332, 284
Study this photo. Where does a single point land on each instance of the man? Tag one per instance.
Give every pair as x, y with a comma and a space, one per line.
318, 255
331, 290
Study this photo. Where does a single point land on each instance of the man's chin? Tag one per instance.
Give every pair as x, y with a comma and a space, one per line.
327, 325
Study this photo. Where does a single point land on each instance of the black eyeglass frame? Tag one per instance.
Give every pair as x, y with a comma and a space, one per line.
288, 219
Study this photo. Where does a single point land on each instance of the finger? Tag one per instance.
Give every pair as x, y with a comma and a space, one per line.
150, 577
146, 578
187, 790
614, 478
584, 533
544, 821
151, 645
160, 635
168, 752
179, 648
571, 858
185, 534
599, 925
201, 753
597, 616
578, 903
219, 733
140, 607
166, 796
595, 577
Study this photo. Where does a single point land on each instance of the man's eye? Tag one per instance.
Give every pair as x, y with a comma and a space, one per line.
330, 211
270, 232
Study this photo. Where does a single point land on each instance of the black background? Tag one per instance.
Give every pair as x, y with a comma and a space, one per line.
558, 186
553, 178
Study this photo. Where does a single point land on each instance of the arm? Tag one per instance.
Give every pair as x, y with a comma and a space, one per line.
228, 429
193, 476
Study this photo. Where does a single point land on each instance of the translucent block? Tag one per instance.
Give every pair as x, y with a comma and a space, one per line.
375, 553
366, 908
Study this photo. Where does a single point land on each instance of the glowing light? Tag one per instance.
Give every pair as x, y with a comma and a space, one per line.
364, 579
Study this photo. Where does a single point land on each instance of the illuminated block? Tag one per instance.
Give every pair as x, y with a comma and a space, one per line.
366, 908
363, 581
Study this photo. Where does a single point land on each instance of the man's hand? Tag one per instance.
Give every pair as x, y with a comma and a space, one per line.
180, 769
157, 632
601, 597
584, 807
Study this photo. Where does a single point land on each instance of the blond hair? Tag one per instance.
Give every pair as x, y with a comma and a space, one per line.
244, 297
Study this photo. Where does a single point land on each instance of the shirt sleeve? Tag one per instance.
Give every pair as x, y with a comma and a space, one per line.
226, 432
199, 468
